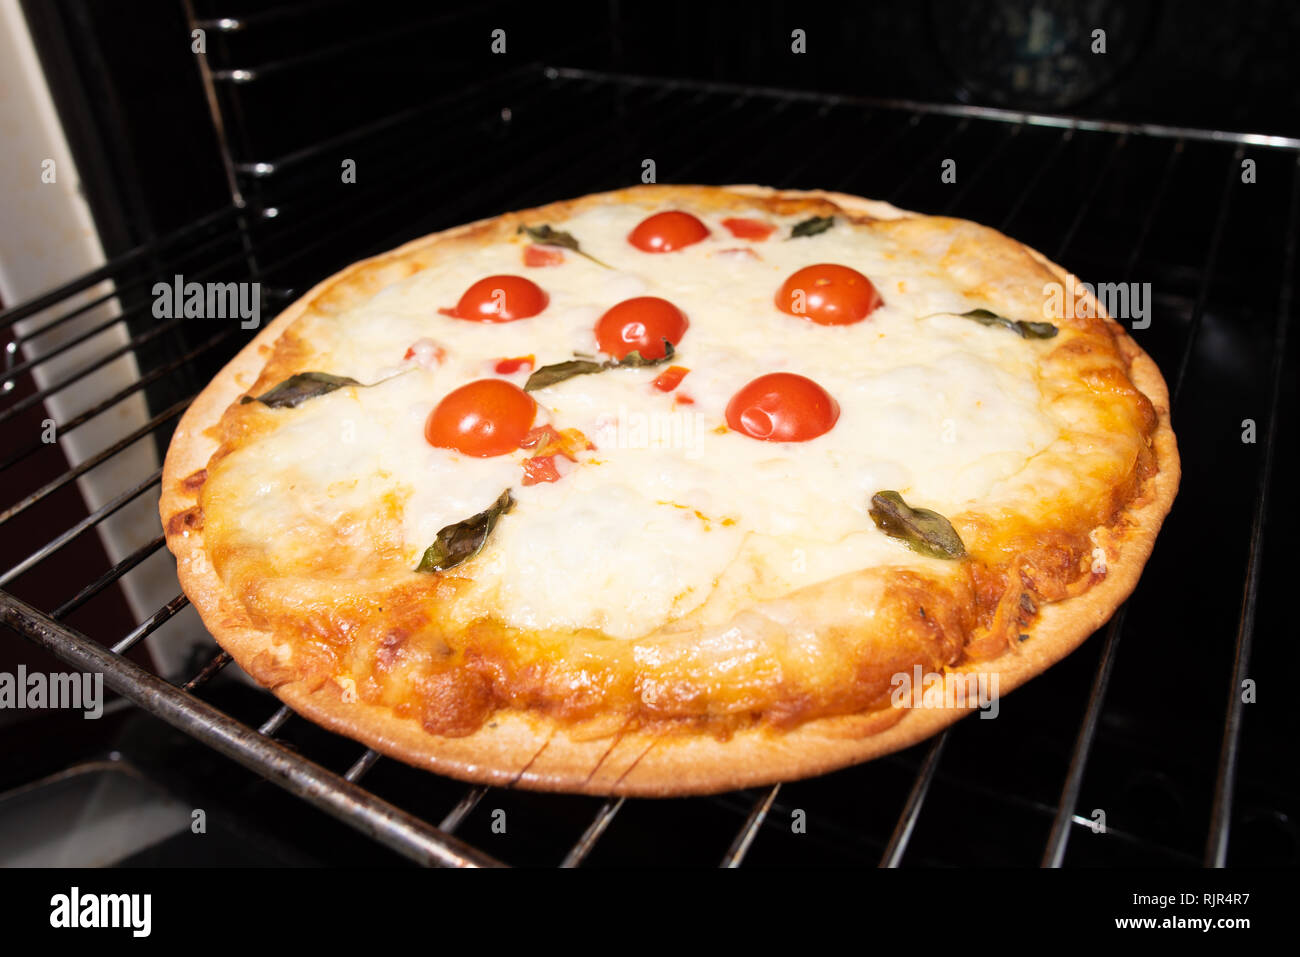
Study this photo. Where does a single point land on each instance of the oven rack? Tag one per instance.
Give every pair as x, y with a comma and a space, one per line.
696, 127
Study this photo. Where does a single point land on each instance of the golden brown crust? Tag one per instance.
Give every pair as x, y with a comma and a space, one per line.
533, 750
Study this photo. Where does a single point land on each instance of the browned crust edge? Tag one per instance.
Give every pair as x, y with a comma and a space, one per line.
527, 750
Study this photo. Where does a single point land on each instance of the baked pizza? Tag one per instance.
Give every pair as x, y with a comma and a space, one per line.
670, 490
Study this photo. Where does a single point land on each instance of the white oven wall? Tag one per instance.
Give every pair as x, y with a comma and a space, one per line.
47, 238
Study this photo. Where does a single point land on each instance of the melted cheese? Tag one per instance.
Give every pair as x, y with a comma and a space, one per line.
672, 514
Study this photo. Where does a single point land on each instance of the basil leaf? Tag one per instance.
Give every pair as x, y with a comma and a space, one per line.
460, 542
811, 227
554, 237
633, 359
1026, 330
920, 529
298, 388
559, 371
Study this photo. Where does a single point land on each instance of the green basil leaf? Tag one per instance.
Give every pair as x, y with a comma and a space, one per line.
1026, 330
559, 371
811, 227
554, 237
298, 388
633, 359
460, 542
920, 529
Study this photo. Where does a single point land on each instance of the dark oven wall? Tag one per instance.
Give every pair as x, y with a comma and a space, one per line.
1202, 64
320, 70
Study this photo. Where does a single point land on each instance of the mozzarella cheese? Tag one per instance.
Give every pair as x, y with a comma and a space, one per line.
671, 514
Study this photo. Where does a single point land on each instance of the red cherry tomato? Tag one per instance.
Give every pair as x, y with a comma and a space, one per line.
782, 407
754, 229
500, 299
665, 232
483, 418
828, 294
640, 325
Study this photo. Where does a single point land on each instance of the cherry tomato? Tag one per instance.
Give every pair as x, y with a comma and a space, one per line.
500, 299
782, 407
535, 255
640, 325
665, 232
754, 229
483, 418
828, 294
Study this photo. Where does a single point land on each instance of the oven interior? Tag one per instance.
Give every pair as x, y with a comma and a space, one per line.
225, 166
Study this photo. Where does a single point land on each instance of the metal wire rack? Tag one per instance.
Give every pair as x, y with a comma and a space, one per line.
1114, 202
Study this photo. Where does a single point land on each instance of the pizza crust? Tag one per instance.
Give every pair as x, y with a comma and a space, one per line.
529, 750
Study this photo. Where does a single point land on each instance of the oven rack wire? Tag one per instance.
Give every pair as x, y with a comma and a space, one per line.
265, 232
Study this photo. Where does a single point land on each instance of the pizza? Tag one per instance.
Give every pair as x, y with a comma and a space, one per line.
670, 490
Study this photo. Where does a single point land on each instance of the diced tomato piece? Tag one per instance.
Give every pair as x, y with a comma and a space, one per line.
540, 437
540, 468
671, 378
511, 366
683, 400
545, 440
535, 255
755, 229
